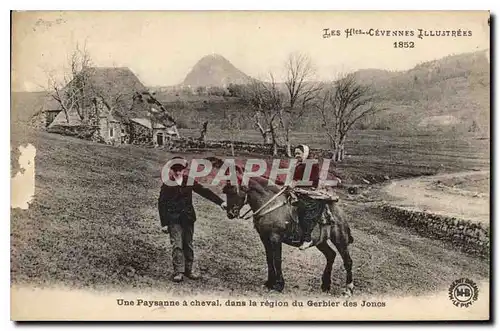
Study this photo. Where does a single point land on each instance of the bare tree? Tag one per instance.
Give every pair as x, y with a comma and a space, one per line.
266, 101
278, 108
344, 103
70, 91
301, 91
265, 132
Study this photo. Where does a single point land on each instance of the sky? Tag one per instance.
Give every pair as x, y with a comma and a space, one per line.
161, 47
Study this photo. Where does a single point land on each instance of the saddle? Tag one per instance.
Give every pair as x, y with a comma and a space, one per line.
315, 207
319, 194
315, 203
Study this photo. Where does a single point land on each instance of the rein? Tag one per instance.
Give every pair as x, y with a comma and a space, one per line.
258, 213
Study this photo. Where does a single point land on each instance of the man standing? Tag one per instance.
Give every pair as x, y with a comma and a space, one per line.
177, 217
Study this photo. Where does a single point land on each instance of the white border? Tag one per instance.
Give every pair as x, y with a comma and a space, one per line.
190, 5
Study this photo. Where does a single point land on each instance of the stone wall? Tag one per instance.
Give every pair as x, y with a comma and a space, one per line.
140, 135
468, 236
191, 144
86, 132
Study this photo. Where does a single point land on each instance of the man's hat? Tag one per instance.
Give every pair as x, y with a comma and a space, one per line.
178, 163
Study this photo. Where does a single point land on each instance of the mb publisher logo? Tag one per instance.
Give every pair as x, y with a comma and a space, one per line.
463, 292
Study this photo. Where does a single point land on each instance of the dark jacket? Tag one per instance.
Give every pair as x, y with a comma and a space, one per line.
176, 202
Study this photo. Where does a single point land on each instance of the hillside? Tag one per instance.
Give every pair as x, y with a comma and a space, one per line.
214, 70
452, 92
24, 104
408, 85
449, 93
455, 88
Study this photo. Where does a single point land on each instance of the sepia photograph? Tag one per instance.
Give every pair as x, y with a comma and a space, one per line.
250, 165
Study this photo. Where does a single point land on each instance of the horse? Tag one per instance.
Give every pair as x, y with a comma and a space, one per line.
280, 226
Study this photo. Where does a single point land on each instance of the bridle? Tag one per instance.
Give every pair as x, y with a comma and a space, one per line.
259, 212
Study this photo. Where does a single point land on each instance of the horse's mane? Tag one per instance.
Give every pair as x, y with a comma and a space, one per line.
263, 183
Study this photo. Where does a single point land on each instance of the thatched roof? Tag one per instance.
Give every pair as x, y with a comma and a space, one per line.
44, 104
116, 85
60, 119
146, 105
115, 80
146, 122
123, 93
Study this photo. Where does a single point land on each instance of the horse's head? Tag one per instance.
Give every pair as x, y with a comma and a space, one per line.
236, 194
236, 197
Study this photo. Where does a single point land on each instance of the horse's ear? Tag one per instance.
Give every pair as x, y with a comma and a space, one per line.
216, 162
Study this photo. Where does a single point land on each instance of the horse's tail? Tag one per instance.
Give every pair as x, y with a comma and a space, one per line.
341, 218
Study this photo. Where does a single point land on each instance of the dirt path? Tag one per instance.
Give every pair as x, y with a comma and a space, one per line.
462, 195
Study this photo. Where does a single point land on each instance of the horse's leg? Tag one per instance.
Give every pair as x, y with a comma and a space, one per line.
276, 250
346, 257
341, 237
342, 247
271, 272
330, 254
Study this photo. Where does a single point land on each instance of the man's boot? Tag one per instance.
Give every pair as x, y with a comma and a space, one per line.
191, 274
178, 277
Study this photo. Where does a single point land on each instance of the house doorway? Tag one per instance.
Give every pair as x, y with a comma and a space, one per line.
159, 139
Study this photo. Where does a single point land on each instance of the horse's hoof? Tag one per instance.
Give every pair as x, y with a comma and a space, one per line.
278, 288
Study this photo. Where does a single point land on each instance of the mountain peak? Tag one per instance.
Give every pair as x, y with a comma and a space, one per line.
215, 70
214, 56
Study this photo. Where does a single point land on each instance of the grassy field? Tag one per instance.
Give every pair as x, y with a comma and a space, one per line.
94, 224
373, 155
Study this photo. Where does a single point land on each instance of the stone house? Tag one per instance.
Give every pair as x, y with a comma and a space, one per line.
145, 131
116, 105
112, 130
48, 108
